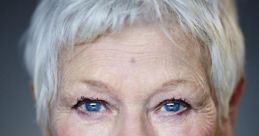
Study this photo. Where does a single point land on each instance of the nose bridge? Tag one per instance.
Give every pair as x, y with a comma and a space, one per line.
134, 123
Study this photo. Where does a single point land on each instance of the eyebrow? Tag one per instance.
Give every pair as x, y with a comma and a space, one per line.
173, 82
110, 90
102, 87
170, 83
96, 83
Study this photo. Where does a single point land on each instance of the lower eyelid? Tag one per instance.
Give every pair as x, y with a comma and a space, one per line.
170, 115
89, 116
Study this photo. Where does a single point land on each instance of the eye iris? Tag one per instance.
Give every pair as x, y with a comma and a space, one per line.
172, 106
93, 106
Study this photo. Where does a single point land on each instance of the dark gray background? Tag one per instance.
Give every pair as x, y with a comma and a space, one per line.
17, 110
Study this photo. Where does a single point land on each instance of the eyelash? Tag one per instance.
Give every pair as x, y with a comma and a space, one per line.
83, 100
180, 101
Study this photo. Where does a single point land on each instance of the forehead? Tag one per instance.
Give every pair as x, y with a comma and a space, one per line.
141, 39
137, 55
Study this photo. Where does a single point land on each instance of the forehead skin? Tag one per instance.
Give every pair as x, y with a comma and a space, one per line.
138, 50
134, 63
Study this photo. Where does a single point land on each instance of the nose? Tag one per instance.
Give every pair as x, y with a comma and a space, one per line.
134, 124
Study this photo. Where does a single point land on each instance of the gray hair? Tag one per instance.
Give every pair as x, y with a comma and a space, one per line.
60, 24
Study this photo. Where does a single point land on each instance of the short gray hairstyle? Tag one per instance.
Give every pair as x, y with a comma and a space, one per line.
58, 24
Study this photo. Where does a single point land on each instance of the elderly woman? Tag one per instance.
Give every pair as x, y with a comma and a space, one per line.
136, 67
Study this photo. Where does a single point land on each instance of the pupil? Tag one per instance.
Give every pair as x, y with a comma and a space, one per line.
93, 106
172, 106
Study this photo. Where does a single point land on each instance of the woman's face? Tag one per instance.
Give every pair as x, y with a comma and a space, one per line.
138, 83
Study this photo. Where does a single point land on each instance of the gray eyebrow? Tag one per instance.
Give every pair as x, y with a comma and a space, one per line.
173, 82
101, 87
169, 83
96, 83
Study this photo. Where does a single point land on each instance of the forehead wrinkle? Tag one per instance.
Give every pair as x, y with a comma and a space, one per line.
67, 56
102, 57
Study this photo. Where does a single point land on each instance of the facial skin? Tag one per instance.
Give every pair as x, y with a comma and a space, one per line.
133, 75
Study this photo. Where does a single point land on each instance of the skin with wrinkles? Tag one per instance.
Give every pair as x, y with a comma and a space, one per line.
134, 70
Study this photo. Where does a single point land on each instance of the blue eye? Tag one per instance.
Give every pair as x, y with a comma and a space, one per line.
90, 105
174, 106
93, 106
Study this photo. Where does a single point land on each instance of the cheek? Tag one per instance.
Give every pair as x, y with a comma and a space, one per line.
196, 123
73, 126
193, 127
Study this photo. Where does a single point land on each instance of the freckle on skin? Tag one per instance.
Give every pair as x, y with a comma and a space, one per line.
132, 60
